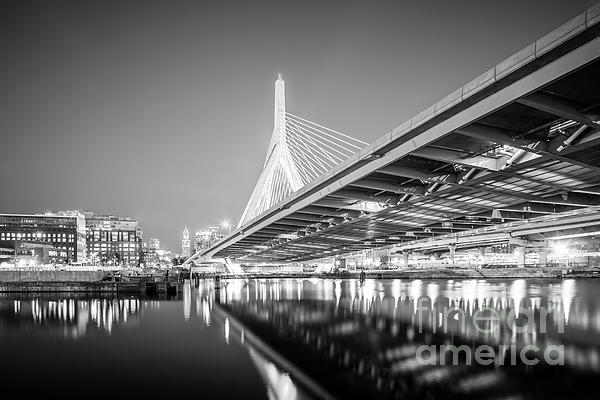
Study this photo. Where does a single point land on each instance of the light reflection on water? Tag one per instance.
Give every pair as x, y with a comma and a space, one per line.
70, 317
391, 297
361, 336
373, 329
120, 341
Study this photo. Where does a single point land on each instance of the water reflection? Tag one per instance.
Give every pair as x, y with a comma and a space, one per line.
313, 338
279, 384
275, 376
69, 317
145, 347
370, 334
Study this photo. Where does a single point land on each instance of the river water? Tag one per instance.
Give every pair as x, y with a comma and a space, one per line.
310, 338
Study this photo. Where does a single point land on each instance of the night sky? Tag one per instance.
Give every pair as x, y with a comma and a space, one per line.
162, 110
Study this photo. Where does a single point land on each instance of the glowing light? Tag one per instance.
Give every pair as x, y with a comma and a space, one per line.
187, 301
338, 292
560, 248
518, 291
226, 225
568, 290
396, 289
432, 290
365, 205
226, 330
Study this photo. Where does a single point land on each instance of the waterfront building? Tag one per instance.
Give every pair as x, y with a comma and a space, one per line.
165, 258
112, 239
185, 243
62, 233
6, 254
155, 257
32, 254
149, 257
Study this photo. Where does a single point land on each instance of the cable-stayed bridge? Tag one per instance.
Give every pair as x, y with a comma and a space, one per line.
299, 152
509, 152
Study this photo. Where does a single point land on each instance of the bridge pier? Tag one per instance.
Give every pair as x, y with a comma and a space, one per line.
405, 254
543, 256
518, 248
482, 253
452, 249
519, 252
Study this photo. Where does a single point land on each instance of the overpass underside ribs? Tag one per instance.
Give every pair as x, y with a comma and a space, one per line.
519, 142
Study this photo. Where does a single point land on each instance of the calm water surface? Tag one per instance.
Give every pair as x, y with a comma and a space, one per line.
310, 338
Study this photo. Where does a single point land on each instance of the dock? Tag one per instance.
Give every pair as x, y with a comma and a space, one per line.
132, 287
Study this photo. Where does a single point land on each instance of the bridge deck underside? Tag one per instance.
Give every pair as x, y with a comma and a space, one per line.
455, 182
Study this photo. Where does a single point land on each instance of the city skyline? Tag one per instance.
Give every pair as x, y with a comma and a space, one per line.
164, 113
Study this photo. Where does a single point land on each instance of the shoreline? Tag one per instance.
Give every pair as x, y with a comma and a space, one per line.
98, 287
438, 273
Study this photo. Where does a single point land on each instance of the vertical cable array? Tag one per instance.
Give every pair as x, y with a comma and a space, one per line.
315, 148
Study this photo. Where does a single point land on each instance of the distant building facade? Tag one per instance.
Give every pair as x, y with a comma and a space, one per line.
199, 240
149, 255
154, 243
204, 239
185, 243
155, 257
112, 239
56, 236
7, 254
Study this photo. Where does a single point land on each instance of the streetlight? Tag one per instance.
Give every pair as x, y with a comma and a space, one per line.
226, 225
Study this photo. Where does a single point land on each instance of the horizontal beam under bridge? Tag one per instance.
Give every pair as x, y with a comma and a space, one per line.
507, 232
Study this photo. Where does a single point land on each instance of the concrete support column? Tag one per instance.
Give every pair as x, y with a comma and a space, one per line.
543, 256
405, 255
519, 247
374, 260
435, 258
483, 255
382, 257
452, 249
519, 253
